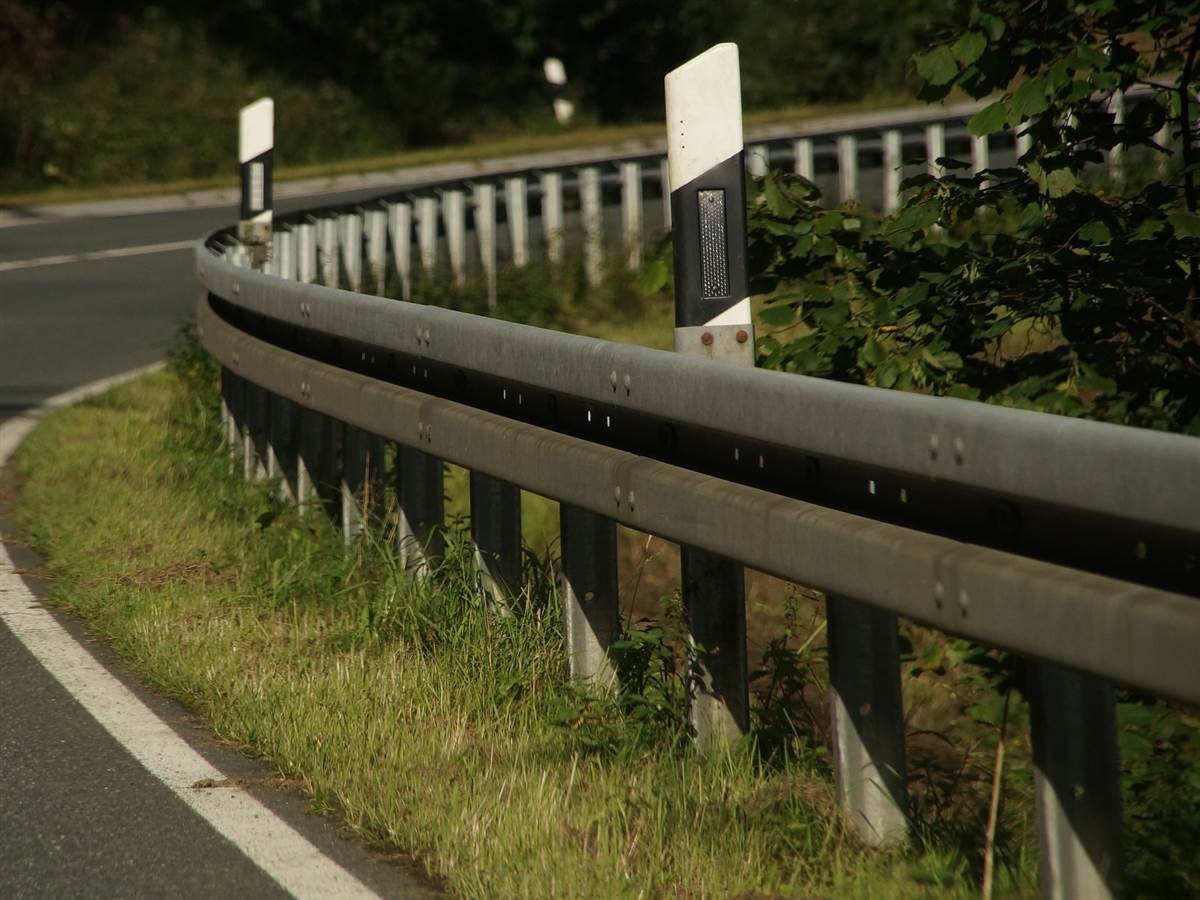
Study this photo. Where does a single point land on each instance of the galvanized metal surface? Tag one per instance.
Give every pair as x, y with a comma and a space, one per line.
1133, 635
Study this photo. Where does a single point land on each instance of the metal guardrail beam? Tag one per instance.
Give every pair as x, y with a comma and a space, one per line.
1129, 474
1137, 636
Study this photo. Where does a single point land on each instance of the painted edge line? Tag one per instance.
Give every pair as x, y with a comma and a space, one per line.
270, 843
114, 253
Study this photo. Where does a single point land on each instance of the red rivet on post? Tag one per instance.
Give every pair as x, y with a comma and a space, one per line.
742, 337
706, 339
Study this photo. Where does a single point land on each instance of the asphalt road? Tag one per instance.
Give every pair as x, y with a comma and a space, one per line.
79, 816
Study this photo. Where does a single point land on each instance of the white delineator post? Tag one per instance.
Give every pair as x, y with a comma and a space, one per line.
256, 146
712, 319
556, 77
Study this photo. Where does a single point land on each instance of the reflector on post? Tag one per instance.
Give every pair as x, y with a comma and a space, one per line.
256, 144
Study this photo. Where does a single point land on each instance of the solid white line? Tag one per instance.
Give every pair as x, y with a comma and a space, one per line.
270, 843
115, 253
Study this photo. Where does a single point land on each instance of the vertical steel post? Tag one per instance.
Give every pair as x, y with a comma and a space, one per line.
552, 215
1116, 156
664, 180
419, 538
758, 160
591, 613
893, 172
231, 406
592, 214
935, 148
496, 533
316, 475
516, 212
376, 226
847, 153
285, 253
712, 319
980, 156
868, 720
485, 232
327, 251
256, 146
631, 212
254, 460
351, 227
802, 158
1077, 782
400, 217
454, 214
281, 447
361, 484
427, 233
306, 252
1024, 140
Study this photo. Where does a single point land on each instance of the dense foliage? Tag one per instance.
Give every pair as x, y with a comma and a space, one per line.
1053, 285
135, 90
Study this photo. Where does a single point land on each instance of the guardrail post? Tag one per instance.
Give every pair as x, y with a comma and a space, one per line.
306, 252
350, 225
591, 612
254, 460
285, 254
1116, 155
496, 533
868, 719
631, 212
1162, 137
664, 181
376, 226
485, 232
419, 500
427, 232
980, 157
455, 216
316, 476
893, 161
712, 319
847, 154
803, 163
758, 160
592, 214
400, 217
1024, 140
362, 482
256, 144
552, 215
516, 212
282, 452
1077, 782
327, 251
935, 148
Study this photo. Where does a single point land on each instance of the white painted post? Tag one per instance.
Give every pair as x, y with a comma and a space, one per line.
306, 252
556, 77
591, 614
400, 228
485, 231
980, 154
867, 719
631, 212
377, 226
935, 148
802, 158
664, 179
847, 151
454, 215
285, 253
1162, 137
427, 230
593, 224
516, 212
552, 215
256, 148
327, 251
351, 227
1116, 156
1024, 140
893, 169
758, 160
712, 319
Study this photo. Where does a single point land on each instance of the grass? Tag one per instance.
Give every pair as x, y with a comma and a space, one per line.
485, 145
401, 705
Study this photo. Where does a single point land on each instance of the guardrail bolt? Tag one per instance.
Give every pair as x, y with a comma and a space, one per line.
706, 339
742, 337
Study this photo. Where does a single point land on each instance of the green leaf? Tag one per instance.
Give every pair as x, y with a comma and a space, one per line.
989, 120
937, 66
653, 278
1095, 233
777, 203
1060, 182
1029, 99
969, 47
873, 353
1186, 224
778, 316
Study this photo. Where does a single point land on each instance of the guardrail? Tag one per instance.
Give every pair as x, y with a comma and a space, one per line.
1072, 543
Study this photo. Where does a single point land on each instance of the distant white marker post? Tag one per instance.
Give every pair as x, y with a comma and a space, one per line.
256, 147
556, 77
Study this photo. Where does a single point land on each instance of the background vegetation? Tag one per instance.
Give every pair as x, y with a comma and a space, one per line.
143, 91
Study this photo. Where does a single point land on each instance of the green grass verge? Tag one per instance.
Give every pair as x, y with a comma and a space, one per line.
425, 722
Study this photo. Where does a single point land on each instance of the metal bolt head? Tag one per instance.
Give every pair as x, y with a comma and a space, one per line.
706, 339
742, 336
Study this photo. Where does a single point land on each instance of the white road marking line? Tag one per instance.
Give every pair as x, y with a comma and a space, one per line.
270, 843
115, 253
